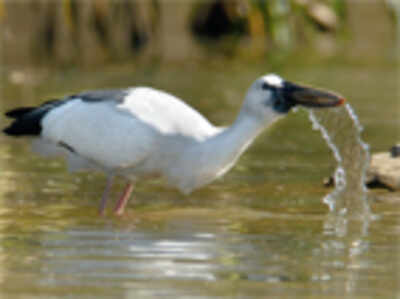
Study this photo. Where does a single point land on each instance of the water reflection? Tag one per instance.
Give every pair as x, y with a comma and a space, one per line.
130, 256
153, 255
184, 253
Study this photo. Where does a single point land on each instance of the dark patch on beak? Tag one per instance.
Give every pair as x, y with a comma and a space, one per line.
310, 97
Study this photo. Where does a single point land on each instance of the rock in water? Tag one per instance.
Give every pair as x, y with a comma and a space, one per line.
385, 170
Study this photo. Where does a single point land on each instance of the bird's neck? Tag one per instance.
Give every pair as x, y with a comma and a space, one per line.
237, 138
213, 157
220, 152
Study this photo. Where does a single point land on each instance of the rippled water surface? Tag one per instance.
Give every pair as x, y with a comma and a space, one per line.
260, 232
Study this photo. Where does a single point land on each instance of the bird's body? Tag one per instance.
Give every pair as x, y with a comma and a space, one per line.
144, 132
126, 139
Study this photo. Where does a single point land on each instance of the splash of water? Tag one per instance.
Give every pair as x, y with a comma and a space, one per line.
341, 130
346, 226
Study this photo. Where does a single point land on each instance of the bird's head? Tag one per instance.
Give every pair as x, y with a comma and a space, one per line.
271, 96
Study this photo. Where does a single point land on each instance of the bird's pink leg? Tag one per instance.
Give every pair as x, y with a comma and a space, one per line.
105, 195
120, 206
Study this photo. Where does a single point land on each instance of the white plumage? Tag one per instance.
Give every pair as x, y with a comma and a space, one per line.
146, 132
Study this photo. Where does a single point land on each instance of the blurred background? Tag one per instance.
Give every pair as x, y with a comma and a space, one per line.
72, 33
260, 231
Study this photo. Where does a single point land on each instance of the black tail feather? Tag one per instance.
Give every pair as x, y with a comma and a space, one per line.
24, 127
19, 112
27, 120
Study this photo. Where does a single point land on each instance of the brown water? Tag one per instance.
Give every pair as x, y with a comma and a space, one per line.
260, 232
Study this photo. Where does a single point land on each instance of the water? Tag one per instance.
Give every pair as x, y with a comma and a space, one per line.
341, 130
349, 219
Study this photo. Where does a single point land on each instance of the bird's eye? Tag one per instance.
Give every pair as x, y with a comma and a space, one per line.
265, 86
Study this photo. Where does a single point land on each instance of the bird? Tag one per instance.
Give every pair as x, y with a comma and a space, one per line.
143, 133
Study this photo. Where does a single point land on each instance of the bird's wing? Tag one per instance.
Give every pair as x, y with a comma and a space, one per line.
165, 113
160, 110
99, 132
113, 128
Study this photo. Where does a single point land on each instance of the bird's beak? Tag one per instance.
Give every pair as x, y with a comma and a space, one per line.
311, 97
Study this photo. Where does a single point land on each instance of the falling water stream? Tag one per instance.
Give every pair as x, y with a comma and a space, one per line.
342, 130
346, 226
